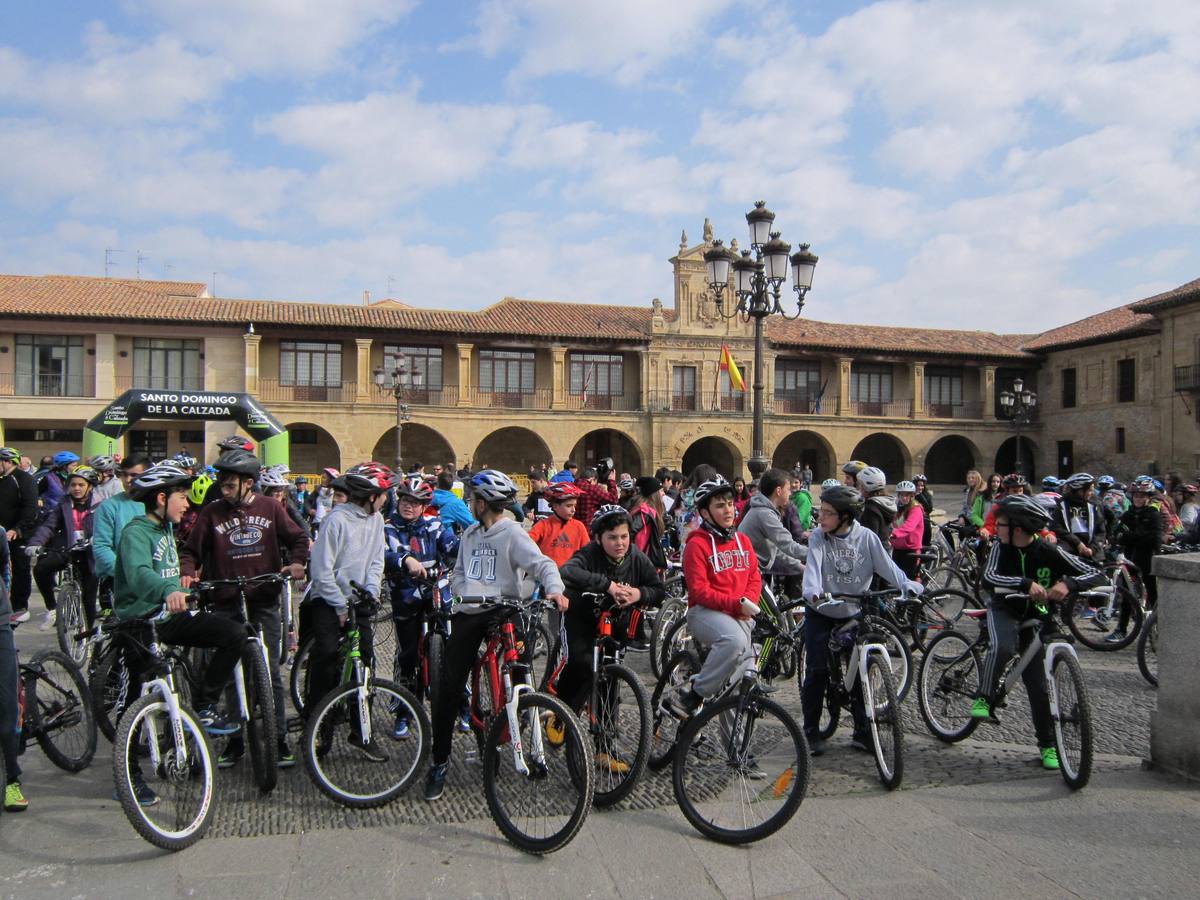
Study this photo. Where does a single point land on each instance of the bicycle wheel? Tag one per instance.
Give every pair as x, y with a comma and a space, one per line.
262, 735
1098, 629
672, 609
184, 780
58, 708
947, 684
298, 679
740, 773
112, 688
1072, 721
70, 624
620, 731
540, 811
947, 577
1147, 648
894, 640
887, 732
333, 751
431, 667
664, 727
538, 656
483, 704
679, 637
383, 639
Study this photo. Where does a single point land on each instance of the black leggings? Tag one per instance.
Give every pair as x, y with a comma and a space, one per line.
1007, 640
320, 620
467, 633
50, 564
817, 629
225, 637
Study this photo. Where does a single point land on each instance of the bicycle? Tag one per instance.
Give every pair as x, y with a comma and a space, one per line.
951, 674
541, 800
673, 607
961, 570
70, 619
1095, 620
54, 708
348, 718
1147, 648
162, 726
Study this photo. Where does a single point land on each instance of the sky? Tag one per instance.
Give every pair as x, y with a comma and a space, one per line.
1009, 166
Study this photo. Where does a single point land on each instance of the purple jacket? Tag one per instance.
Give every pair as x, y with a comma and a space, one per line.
58, 526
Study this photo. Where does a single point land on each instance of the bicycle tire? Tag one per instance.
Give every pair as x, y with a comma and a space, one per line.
678, 638
948, 577
538, 657
1147, 648
896, 644
611, 735
58, 708
950, 604
262, 732
432, 674
1095, 631
664, 727
565, 765
341, 773
169, 779
703, 760
947, 682
112, 688
298, 677
1074, 756
671, 610
482, 701
69, 622
887, 731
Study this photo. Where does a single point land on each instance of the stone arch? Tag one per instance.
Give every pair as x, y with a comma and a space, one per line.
418, 443
949, 458
312, 448
512, 449
602, 442
717, 452
884, 451
807, 447
1006, 457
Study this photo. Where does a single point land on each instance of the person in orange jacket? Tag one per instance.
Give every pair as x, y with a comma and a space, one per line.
560, 534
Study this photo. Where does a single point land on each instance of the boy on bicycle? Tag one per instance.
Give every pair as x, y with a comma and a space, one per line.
723, 584
1020, 562
560, 534
496, 558
842, 558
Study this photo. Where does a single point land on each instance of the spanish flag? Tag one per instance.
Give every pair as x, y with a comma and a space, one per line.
728, 365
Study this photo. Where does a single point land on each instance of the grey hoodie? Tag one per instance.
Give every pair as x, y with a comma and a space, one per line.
776, 549
349, 547
844, 565
501, 561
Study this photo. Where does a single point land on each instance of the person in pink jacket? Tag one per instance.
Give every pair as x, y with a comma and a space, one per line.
908, 529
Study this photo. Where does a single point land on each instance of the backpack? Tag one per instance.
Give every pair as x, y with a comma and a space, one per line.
654, 546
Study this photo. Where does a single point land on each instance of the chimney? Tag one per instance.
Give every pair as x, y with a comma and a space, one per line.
366, 298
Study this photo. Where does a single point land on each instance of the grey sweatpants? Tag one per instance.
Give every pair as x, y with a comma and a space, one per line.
729, 650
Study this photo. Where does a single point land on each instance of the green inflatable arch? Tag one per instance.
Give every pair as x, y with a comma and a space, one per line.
109, 426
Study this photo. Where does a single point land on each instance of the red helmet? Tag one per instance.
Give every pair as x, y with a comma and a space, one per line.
331, 472
369, 478
416, 488
560, 491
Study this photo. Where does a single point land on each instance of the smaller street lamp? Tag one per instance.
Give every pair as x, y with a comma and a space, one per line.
1018, 406
397, 382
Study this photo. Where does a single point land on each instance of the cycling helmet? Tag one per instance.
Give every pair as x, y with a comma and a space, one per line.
1024, 512
846, 500
185, 461
235, 442
828, 483
1104, 482
493, 486
1143, 484
1078, 481
1051, 483
331, 472
609, 516
709, 489
64, 458
415, 488
199, 489
240, 462
87, 473
104, 464
369, 478
10, 454
1013, 480
871, 479
1189, 489
1158, 485
920, 478
1114, 500
906, 487
560, 491
160, 476
272, 477
1047, 500
626, 485
854, 467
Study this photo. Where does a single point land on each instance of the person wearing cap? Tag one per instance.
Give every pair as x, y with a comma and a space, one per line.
18, 519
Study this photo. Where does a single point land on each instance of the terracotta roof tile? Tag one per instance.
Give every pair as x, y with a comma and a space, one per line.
1185, 293
1113, 323
924, 341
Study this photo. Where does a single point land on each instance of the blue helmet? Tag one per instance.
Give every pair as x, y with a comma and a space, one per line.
65, 458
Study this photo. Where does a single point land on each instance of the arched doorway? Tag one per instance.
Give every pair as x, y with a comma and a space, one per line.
884, 452
1006, 457
949, 460
418, 443
595, 445
514, 450
807, 448
717, 452
313, 448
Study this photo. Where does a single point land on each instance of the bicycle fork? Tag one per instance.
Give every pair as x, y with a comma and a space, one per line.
1052, 651
857, 668
165, 688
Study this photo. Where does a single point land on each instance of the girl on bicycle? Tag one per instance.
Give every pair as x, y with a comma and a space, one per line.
66, 524
1021, 562
908, 532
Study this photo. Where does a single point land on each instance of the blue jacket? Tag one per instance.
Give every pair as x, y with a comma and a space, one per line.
564, 475
428, 540
108, 520
451, 510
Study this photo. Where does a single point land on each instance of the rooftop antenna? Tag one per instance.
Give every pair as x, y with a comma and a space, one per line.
108, 260
140, 257
214, 283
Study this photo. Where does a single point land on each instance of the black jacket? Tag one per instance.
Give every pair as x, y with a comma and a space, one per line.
878, 518
1015, 569
590, 570
18, 503
1140, 530
1090, 513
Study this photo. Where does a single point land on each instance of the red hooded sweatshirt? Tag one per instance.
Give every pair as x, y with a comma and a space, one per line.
719, 574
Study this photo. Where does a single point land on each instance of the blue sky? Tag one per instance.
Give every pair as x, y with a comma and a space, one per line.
1007, 166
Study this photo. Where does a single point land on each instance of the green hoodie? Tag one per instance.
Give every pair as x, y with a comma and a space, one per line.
147, 569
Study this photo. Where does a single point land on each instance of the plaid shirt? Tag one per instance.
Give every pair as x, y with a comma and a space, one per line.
594, 496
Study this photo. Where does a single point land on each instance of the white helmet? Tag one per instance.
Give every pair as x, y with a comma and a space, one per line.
906, 487
871, 479
273, 477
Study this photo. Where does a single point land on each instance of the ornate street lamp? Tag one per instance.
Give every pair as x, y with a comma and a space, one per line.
758, 280
1018, 406
396, 383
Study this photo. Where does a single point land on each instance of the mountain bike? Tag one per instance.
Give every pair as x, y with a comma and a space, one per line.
1109, 617
350, 718
961, 569
951, 674
1147, 648
673, 607
538, 793
70, 623
54, 708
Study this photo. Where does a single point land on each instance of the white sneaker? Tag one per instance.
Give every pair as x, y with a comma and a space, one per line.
48, 621
19, 617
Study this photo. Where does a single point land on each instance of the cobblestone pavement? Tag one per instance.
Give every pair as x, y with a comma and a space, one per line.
1121, 703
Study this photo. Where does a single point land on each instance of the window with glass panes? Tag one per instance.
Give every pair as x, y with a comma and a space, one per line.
797, 384
506, 371
871, 383
424, 365
597, 374
683, 387
49, 365
152, 443
1126, 381
167, 364
310, 363
943, 386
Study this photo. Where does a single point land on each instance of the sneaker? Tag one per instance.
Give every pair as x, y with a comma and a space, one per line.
232, 754
215, 722
816, 746
19, 617
435, 782
981, 709
683, 702
14, 800
464, 723
369, 749
556, 731
400, 729
145, 796
1050, 758
1116, 637
613, 764
862, 742
48, 620
287, 758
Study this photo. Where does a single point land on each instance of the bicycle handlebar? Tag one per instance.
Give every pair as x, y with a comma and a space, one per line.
210, 584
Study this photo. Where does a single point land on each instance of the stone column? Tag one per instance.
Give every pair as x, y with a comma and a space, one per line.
363, 378
987, 390
466, 393
843, 407
106, 365
252, 342
558, 378
918, 389
1175, 724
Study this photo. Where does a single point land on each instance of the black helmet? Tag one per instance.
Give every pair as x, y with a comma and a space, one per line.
846, 500
234, 442
708, 489
1024, 512
608, 517
240, 462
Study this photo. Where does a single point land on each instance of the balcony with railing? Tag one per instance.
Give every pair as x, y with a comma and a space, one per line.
972, 410
1187, 378
159, 383
536, 398
889, 409
802, 405
29, 385
604, 402
669, 401
272, 390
